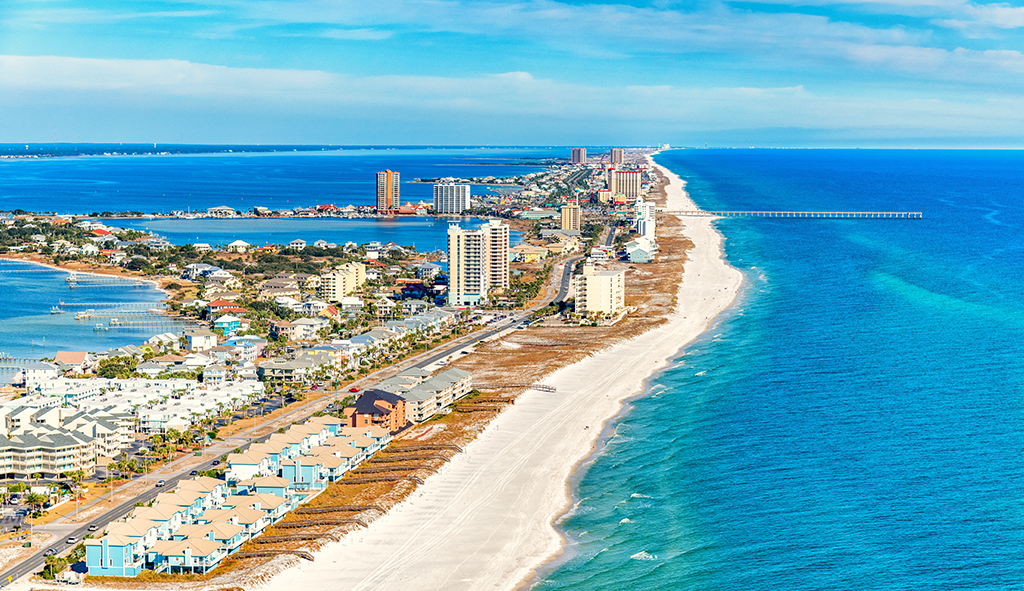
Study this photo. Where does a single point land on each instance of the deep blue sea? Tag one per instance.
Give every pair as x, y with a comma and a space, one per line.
855, 421
87, 184
278, 180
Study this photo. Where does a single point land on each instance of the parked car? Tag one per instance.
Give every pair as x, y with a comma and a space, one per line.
353, 389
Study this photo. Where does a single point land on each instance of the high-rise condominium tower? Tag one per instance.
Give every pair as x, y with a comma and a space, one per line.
388, 195
477, 262
451, 198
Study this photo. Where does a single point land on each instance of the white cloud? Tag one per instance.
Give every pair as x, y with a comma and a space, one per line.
502, 105
357, 34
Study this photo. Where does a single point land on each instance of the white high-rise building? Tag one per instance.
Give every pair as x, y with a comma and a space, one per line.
477, 262
451, 198
645, 221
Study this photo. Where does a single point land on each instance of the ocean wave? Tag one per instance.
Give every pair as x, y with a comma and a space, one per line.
643, 555
626, 520
639, 496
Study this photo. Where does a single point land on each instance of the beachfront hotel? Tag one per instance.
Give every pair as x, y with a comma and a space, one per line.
579, 155
477, 262
388, 195
451, 198
600, 292
626, 182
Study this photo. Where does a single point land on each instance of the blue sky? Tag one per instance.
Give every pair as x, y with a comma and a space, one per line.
769, 73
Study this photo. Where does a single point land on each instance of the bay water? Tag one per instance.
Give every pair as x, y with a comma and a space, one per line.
855, 420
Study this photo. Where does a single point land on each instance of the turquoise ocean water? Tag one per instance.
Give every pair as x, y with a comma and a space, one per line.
855, 421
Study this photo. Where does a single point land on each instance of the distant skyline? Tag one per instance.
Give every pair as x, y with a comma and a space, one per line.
867, 73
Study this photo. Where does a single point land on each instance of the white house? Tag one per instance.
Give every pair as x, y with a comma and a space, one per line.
239, 246
297, 244
201, 340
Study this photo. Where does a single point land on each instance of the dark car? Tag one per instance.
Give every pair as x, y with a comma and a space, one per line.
216, 462
193, 473
49, 552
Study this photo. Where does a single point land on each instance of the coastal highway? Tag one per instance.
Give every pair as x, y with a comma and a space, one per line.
36, 562
517, 321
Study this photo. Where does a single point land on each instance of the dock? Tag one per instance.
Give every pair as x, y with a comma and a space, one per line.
847, 215
77, 280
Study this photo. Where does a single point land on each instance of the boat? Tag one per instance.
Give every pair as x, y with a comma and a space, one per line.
56, 310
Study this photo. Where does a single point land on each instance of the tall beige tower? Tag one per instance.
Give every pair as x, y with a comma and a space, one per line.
579, 155
617, 156
497, 265
571, 216
626, 182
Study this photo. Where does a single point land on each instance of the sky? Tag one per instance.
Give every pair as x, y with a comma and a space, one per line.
865, 73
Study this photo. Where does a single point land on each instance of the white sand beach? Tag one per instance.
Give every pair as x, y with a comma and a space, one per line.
485, 521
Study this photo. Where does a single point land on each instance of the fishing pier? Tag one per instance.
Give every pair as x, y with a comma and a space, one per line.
843, 215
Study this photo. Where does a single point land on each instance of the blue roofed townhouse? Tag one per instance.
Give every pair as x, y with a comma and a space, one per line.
228, 535
250, 464
379, 436
253, 520
331, 423
305, 473
185, 556
214, 490
271, 485
333, 466
191, 501
273, 506
114, 556
169, 518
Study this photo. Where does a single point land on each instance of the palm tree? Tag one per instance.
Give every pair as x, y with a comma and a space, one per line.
35, 500
173, 435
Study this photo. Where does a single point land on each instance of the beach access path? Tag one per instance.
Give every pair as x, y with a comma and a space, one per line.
486, 520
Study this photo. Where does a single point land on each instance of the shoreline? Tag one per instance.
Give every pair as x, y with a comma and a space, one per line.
155, 284
489, 518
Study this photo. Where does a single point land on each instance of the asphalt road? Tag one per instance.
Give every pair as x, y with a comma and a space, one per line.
36, 562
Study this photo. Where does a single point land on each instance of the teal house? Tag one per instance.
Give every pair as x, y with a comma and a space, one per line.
114, 556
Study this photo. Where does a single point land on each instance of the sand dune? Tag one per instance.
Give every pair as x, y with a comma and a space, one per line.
485, 521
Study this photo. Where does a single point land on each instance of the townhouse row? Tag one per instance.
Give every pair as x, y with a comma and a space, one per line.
190, 529
194, 527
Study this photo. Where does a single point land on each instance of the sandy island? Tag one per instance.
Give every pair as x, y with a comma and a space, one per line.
486, 520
